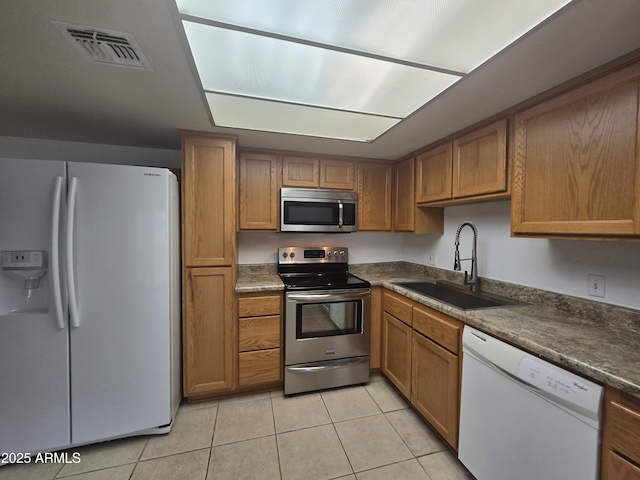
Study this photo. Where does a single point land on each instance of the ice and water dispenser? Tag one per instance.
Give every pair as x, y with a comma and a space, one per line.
24, 285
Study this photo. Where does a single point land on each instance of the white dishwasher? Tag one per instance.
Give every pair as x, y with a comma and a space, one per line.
523, 418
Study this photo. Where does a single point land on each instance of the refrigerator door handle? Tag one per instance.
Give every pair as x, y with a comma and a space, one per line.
55, 259
71, 284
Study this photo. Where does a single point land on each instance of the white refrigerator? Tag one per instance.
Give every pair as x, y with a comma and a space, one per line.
89, 303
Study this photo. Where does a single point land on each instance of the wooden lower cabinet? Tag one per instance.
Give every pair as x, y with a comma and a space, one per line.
209, 331
396, 353
261, 366
435, 386
259, 339
621, 436
376, 328
420, 356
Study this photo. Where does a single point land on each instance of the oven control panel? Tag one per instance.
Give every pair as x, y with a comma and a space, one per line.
287, 255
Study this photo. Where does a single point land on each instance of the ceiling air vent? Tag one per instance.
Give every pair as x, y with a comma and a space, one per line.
105, 46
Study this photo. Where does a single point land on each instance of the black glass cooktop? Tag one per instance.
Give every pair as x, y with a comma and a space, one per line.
322, 281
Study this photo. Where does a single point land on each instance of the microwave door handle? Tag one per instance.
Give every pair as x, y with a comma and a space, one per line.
340, 215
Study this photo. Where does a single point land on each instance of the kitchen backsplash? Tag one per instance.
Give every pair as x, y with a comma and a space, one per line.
560, 266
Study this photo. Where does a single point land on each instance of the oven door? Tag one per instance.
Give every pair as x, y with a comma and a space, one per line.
323, 325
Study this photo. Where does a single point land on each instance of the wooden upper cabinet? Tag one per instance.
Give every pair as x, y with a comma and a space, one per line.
577, 165
374, 196
313, 173
403, 195
480, 162
433, 174
407, 216
208, 200
258, 187
300, 172
337, 174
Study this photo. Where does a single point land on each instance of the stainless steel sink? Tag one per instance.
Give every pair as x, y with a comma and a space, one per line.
459, 297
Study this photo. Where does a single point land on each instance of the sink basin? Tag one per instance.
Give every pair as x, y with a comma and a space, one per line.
459, 297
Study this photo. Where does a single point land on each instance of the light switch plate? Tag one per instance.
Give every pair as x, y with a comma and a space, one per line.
596, 285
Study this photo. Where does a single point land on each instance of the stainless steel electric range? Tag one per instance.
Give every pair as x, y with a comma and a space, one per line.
327, 320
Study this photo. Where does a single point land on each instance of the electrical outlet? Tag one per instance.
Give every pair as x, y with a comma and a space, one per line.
431, 259
596, 285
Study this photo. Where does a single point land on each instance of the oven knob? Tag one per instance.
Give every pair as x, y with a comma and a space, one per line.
335, 254
292, 255
285, 255
329, 254
342, 253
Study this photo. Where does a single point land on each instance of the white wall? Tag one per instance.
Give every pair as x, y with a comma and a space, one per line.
16, 147
556, 265
364, 247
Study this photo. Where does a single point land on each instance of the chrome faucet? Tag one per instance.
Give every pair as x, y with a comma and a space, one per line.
473, 282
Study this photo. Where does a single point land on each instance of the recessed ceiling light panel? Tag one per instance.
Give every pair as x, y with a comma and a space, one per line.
456, 35
240, 63
343, 69
252, 114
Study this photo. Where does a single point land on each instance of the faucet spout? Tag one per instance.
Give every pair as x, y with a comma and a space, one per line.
473, 281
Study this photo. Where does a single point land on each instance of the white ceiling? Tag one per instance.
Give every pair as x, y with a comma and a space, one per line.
49, 90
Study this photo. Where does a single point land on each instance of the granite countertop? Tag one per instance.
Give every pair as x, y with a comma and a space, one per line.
594, 339
258, 278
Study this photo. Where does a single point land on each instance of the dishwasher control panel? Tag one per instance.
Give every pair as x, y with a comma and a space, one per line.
557, 383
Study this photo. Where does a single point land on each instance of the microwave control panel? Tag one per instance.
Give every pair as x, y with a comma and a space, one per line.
349, 213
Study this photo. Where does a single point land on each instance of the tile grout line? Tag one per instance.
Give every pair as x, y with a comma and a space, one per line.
275, 436
333, 424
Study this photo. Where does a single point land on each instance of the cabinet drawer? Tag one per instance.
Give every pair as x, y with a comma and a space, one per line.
261, 366
443, 331
624, 425
258, 306
620, 469
398, 308
258, 333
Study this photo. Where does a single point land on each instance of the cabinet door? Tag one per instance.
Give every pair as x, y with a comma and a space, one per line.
376, 327
300, 172
374, 196
434, 389
258, 192
480, 161
396, 353
210, 338
577, 164
621, 436
433, 174
403, 196
337, 174
208, 201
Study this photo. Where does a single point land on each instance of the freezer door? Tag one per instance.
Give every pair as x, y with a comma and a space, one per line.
34, 373
120, 344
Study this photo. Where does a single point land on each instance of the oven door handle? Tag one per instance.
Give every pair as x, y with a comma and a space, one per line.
329, 366
310, 297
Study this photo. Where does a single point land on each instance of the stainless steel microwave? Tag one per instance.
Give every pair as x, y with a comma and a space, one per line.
313, 210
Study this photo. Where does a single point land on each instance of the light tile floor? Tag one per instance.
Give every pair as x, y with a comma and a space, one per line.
363, 433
